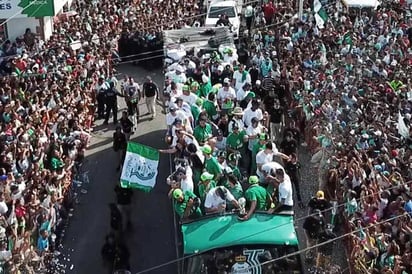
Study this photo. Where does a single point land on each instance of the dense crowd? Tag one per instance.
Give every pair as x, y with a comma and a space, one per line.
49, 94
341, 92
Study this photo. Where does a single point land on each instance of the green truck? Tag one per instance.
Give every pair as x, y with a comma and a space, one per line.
217, 244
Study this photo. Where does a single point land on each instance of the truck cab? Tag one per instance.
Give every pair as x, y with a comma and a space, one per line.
230, 8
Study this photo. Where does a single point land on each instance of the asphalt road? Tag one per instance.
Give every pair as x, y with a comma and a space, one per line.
151, 240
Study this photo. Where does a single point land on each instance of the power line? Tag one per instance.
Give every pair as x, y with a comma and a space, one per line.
260, 232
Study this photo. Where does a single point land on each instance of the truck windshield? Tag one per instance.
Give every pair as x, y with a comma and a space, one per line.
245, 260
215, 12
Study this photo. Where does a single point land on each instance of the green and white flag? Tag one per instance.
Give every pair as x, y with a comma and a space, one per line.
140, 167
321, 16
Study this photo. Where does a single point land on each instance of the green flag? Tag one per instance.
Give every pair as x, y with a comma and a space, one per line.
321, 16
140, 167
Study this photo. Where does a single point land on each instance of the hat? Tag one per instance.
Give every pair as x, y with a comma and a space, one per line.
220, 68
320, 194
365, 136
253, 179
206, 176
177, 193
262, 136
258, 82
226, 81
206, 149
237, 111
185, 88
180, 69
199, 101
251, 95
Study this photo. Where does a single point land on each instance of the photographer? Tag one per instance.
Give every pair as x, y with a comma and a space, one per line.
187, 204
216, 200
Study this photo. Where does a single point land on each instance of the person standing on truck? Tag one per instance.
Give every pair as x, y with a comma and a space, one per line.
256, 196
187, 204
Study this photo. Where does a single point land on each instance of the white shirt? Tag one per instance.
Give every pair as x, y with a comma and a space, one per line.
190, 99
221, 145
253, 131
263, 158
187, 182
179, 114
249, 114
3, 208
213, 200
238, 77
285, 191
241, 94
239, 123
272, 166
223, 94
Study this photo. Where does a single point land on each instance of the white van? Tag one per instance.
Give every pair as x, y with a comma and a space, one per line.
230, 8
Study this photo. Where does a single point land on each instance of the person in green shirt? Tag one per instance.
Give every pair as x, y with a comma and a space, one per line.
186, 204
205, 87
256, 197
260, 145
232, 162
196, 109
203, 131
210, 106
211, 164
206, 183
235, 140
234, 186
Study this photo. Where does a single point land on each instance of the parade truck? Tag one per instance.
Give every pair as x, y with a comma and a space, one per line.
264, 244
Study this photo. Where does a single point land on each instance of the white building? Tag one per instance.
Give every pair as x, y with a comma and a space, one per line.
18, 15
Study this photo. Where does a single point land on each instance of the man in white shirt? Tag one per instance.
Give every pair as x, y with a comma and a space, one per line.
216, 200
285, 192
226, 95
266, 156
253, 112
253, 130
241, 77
188, 96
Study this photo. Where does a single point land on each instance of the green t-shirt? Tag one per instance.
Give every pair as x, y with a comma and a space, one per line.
236, 191
210, 108
212, 166
258, 194
204, 189
202, 134
235, 141
195, 111
181, 207
204, 90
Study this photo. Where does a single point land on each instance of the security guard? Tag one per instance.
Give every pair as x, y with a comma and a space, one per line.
111, 103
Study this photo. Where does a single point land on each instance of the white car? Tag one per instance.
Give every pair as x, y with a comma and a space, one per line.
219, 7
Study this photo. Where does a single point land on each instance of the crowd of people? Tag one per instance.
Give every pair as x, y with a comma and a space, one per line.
50, 92
341, 93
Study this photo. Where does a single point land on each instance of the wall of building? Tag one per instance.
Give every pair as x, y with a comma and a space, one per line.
17, 27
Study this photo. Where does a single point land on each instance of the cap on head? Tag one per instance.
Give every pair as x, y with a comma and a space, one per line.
320, 194
206, 149
177, 193
206, 176
253, 179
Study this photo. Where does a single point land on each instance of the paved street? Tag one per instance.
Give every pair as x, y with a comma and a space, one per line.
152, 239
